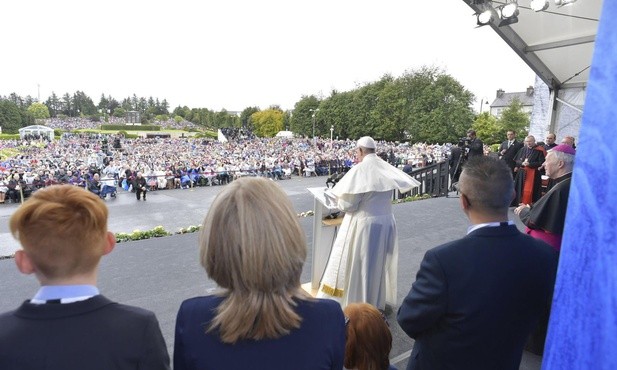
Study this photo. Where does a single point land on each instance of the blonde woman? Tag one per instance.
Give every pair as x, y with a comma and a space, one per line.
253, 247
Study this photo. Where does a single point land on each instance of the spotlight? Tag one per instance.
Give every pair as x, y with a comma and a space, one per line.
508, 10
485, 17
561, 3
508, 14
539, 5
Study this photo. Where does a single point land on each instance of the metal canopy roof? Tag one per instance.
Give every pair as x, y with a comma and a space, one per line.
556, 43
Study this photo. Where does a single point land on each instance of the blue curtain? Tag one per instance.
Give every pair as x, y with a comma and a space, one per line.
583, 326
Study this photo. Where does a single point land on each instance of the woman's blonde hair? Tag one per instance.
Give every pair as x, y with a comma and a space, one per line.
62, 228
369, 340
252, 245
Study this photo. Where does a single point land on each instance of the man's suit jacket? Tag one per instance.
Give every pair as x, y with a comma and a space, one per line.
476, 148
476, 300
510, 152
92, 334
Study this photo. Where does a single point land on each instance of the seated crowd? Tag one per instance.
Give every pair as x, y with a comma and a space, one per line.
182, 162
80, 123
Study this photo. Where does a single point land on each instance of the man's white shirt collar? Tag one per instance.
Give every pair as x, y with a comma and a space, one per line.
475, 227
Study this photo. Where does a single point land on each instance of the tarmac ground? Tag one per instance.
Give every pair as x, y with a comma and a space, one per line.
158, 274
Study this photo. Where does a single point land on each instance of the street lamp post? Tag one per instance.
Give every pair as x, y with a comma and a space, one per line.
331, 151
482, 103
314, 114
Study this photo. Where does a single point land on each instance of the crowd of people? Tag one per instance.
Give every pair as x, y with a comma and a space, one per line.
84, 123
182, 162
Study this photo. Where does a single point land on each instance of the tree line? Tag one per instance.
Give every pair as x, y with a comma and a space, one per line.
423, 105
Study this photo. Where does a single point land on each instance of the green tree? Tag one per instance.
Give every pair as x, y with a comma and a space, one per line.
17, 100
119, 112
135, 101
440, 107
82, 104
67, 105
126, 104
181, 111
426, 105
302, 118
38, 110
488, 128
142, 106
390, 111
338, 112
103, 103
28, 101
268, 122
10, 117
365, 99
165, 106
514, 118
54, 104
224, 119
245, 116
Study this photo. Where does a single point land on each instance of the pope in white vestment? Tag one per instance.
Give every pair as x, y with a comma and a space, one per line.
363, 262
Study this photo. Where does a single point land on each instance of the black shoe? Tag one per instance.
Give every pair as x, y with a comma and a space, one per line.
144, 199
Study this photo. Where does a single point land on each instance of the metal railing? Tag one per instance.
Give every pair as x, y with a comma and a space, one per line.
434, 180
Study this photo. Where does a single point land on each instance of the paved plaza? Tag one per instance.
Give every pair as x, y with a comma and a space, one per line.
158, 274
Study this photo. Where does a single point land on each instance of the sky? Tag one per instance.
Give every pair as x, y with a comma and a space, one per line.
233, 54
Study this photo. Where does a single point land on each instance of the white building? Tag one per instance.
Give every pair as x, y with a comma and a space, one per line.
504, 99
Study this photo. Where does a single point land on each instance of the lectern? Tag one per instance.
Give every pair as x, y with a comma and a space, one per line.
324, 233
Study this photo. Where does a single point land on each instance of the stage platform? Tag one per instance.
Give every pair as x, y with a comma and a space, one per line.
158, 274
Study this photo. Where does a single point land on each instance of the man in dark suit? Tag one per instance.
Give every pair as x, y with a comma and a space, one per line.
455, 161
509, 148
408, 167
550, 141
476, 146
69, 324
477, 299
140, 186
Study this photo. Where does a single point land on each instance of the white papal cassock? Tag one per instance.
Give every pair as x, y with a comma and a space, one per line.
363, 262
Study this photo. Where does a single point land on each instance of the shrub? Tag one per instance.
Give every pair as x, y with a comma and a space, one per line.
157, 232
9, 136
131, 127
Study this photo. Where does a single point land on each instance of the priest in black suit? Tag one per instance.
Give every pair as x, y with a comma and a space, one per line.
477, 299
68, 324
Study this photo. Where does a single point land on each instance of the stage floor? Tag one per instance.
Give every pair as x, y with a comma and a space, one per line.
158, 274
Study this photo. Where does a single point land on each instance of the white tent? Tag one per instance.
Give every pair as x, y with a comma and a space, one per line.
221, 137
287, 134
36, 130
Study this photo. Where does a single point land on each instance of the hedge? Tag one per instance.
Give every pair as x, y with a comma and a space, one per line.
9, 136
131, 127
